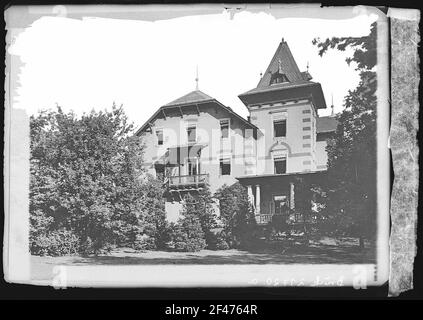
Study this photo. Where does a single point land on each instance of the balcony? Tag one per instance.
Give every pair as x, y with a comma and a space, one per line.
187, 181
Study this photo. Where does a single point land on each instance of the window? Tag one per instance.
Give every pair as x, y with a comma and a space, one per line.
278, 78
192, 134
159, 133
225, 166
280, 165
279, 128
224, 128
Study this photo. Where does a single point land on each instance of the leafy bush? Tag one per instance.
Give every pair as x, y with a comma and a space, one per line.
218, 241
144, 242
236, 215
56, 243
202, 205
90, 246
276, 227
152, 213
187, 234
198, 227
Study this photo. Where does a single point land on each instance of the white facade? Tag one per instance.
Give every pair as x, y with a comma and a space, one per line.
280, 139
298, 146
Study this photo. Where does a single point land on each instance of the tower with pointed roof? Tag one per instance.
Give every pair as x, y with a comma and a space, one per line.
284, 106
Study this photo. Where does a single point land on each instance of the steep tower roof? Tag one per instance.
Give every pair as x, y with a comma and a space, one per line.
282, 62
284, 80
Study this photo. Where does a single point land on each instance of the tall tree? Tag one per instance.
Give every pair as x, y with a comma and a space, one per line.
351, 186
85, 177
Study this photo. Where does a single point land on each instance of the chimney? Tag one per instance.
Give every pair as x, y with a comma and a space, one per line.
249, 119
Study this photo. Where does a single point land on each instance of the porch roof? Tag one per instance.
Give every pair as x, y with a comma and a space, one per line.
176, 155
269, 178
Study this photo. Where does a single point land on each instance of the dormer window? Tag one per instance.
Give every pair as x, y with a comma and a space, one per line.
278, 77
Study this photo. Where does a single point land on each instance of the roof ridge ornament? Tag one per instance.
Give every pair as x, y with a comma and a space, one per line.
196, 80
280, 66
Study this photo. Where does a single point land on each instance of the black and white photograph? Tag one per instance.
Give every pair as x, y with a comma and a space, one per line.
198, 146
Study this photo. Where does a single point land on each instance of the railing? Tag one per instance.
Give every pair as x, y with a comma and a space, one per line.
267, 218
198, 179
263, 218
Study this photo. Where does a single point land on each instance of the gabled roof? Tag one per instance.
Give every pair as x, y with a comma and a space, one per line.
326, 124
196, 97
284, 63
192, 97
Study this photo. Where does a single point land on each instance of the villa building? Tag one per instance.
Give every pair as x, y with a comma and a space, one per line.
196, 140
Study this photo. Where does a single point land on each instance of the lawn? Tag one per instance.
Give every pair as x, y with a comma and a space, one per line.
326, 250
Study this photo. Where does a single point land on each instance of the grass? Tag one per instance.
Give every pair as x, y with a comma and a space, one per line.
323, 251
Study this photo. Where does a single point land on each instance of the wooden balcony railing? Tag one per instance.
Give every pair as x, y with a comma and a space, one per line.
188, 180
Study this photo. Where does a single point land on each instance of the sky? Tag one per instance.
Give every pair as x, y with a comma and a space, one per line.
90, 63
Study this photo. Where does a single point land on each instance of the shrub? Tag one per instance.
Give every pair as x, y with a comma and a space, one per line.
152, 213
202, 206
90, 246
56, 243
277, 225
187, 234
217, 241
144, 242
239, 225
